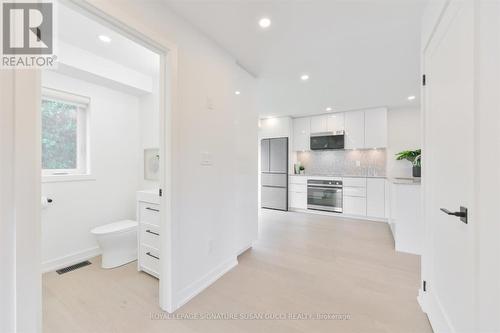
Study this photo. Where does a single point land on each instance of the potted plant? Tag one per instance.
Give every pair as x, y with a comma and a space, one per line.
302, 170
415, 157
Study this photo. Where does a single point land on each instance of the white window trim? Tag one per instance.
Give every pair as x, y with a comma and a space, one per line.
83, 171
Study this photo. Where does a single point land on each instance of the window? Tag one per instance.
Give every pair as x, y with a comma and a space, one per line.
64, 134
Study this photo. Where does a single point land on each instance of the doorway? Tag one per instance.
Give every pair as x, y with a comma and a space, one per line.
27, 96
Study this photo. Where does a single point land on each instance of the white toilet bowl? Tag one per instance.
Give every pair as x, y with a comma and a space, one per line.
118, 242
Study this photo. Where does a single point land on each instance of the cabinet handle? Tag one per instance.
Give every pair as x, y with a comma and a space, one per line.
153, 256
152, 232
153, 209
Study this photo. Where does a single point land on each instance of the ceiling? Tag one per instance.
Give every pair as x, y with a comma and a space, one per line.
359, 54
121, 49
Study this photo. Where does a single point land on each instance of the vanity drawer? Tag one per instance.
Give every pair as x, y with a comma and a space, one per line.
150, 260
150, 235
149, 213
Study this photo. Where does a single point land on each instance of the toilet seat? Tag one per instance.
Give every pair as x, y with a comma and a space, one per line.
115, 227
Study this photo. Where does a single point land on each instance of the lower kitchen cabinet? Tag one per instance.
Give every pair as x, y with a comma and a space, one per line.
298, 200
355, 205
297, 192
375, 197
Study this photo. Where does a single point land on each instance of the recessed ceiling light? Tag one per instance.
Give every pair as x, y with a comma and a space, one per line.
237, 92
265, 22
105, 39
328, 109
304, 77
411, 98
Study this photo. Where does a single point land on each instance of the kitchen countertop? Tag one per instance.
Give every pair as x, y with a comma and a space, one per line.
345, 176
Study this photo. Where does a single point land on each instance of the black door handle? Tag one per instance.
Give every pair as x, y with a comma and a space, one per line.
462, 213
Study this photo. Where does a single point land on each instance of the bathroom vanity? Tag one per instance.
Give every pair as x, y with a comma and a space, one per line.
148, 216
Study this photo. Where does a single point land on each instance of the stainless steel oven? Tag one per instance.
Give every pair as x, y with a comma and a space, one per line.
324, 195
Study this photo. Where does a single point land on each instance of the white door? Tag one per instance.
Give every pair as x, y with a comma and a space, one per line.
448, 159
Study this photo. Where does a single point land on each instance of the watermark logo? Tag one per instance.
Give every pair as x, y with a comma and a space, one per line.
27, 34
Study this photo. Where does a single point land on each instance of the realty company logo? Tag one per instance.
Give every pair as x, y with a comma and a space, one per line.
27, 35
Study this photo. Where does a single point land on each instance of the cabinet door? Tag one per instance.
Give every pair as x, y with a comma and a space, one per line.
319, 124
355, 130
298, 199
354, 206
301, 134
278, 155
376, 128
375, 197
264, 155
335, 123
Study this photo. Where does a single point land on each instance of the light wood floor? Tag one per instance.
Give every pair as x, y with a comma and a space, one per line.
301, 264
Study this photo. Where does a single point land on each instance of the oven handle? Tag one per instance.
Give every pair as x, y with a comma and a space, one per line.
324, 188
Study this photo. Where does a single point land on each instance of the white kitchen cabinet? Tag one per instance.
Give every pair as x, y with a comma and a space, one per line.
354, 196
355, 130
375, 197
376, 128
319, 124
297, 192
335, 123
301, 134
355, 206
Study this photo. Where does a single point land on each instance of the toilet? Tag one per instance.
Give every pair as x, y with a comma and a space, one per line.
118, 242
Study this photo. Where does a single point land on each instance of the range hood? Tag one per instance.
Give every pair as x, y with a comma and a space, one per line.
327, 141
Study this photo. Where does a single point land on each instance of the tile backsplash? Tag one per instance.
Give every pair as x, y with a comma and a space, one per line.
369, 162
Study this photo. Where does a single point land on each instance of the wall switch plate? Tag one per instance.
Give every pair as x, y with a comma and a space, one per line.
358, 163
206, 159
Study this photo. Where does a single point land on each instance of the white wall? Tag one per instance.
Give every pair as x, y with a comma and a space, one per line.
403, 133
207, 201
81, 205
150, 130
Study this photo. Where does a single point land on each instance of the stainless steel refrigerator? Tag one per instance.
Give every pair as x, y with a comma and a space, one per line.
274, 173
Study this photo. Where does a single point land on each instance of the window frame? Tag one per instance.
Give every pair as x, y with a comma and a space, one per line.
82, 104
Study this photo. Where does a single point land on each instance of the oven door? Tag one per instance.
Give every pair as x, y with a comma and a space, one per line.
324, 198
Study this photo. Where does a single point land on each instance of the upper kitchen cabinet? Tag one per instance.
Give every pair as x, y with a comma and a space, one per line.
354, 130
319, 124
376, 128
301, 134
335, 123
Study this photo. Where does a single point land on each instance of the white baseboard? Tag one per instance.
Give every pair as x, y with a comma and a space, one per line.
431, 305
339, 215
244, 249
70, 259
186, 294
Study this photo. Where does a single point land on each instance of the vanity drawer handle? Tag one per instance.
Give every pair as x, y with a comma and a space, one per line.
153, 209
152, 232
153, 256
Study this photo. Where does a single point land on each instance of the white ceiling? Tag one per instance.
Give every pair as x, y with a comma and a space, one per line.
79, 30
359, 54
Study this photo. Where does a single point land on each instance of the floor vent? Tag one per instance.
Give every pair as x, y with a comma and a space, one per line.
73, 267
